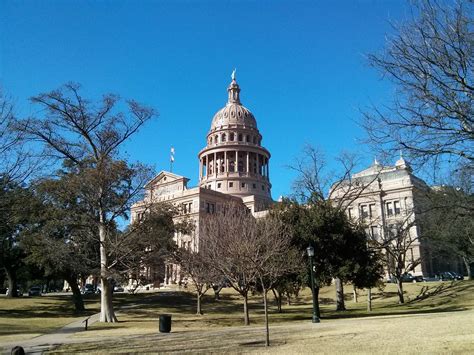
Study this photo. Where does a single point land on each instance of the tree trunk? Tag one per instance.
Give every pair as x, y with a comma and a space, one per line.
288, 299
468, 268
198, 309
107, 313
401, 299
12, 284
246, 310
340, 306
354, 292
265, 306
369, 300
76, 294
277, 299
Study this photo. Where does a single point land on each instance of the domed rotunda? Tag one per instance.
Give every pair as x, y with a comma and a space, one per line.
234, 161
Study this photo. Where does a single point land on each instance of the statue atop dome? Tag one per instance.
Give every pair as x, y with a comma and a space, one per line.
233, 74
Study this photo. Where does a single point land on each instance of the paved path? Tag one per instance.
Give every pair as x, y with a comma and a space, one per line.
43, 342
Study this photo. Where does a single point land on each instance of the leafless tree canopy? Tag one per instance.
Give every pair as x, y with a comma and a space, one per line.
87, 138
430, 61
315, 182
15, 162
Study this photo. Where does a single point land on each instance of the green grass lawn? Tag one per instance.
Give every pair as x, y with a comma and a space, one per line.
138, 314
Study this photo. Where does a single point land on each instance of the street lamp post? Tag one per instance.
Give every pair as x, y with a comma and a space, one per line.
310, 251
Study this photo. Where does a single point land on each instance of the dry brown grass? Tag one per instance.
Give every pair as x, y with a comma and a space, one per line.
439, 317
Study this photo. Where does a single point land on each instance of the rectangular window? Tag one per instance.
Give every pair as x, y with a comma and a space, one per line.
363, 211
374, 230
231, 184
350, 213
263, 187
396, 207
389, 208
218, 185
254, 186
372, 210
190, 207
243, 184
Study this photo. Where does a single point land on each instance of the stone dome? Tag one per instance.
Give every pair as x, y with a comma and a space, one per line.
233, 113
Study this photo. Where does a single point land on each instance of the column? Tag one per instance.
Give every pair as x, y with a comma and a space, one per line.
200, 169
215, 165
226, 168
236, 165
207, 166
248, 170
268, 169
258, 164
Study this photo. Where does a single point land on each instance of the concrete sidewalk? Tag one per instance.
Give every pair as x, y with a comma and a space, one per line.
43, 342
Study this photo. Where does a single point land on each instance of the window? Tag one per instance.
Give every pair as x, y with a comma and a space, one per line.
372, 210
374, 231
210, 207
254, 186
240, 137
243, 184
254, 140
363, 211
231, 184
218, 185
248, 138
231, 138
223, 138
350, 212
389, 209
396, 207
190, 207
263, 187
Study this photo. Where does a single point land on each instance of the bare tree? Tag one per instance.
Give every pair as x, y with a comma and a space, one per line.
396, 243
430, 62
88, 137
226, 236
273, 257
198, 270
316, 183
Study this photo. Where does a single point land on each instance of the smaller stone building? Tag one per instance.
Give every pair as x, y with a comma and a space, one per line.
385, 197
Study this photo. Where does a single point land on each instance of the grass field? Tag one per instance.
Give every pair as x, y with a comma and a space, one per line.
441, 310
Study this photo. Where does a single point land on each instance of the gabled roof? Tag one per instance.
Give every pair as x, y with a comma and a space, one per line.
165, 177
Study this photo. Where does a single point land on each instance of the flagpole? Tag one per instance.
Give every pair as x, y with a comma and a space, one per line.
171, 159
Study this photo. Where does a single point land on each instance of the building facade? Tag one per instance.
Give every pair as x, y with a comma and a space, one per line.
233, 166
386, 200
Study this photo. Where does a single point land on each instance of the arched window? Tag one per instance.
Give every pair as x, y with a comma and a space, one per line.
231, 136
254, 140
216, 139
223, 138
248, 138
240, 137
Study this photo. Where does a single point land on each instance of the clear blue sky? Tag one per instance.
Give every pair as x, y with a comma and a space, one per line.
300, 65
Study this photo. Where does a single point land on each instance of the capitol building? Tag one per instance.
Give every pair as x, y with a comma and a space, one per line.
233, 166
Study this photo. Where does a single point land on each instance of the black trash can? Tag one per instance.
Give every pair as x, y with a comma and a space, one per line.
165, 323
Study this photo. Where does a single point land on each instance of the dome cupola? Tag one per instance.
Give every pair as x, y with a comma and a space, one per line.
233, 160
